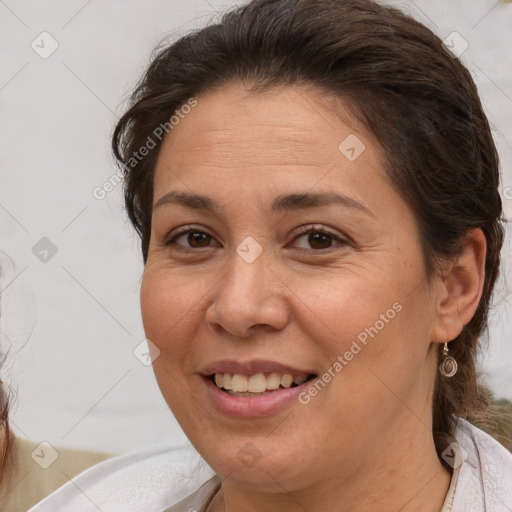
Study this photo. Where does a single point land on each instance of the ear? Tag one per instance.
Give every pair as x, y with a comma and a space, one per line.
460, 287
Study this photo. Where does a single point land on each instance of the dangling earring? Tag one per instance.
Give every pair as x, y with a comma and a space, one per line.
448, 366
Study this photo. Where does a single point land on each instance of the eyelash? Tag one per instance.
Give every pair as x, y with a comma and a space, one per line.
309, 230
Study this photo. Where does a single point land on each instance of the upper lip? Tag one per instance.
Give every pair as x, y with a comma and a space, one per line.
252, 367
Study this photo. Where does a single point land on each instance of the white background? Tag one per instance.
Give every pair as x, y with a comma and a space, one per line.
69, 326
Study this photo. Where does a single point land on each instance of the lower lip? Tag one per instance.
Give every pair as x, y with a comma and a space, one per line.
253, 407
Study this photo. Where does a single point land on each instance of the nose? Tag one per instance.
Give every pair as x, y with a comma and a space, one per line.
250, 295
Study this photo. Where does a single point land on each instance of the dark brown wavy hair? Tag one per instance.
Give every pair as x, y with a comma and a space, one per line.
397, 77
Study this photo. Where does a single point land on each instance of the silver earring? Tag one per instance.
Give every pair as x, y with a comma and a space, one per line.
448, 366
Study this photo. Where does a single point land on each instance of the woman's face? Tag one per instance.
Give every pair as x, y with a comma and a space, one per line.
301, 260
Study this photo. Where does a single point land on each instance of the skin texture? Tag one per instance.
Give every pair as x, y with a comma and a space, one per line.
365, 441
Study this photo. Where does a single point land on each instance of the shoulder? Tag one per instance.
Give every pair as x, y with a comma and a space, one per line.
146, 480
485, 478
37, 469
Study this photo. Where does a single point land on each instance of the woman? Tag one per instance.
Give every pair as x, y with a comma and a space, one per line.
315, 186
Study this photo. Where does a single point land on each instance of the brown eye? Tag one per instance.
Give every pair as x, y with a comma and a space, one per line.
198, 239
320, 240
195, 239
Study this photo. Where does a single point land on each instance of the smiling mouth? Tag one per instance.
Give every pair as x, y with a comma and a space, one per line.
259, 384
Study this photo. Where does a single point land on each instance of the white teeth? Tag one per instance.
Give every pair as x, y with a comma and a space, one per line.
227, 381
273, 381
286, 381
239, 383
257, 383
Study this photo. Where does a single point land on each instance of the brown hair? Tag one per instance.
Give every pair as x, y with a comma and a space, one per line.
398, 78
6, 437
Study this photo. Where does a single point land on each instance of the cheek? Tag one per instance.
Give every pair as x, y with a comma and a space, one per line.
169, 320
346, 308
154, 308
167, 305
374, 323
167, 312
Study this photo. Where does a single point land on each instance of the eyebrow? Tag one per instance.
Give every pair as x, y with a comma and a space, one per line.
288, 202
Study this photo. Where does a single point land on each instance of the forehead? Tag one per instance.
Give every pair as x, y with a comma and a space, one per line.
266, 141
285, 125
